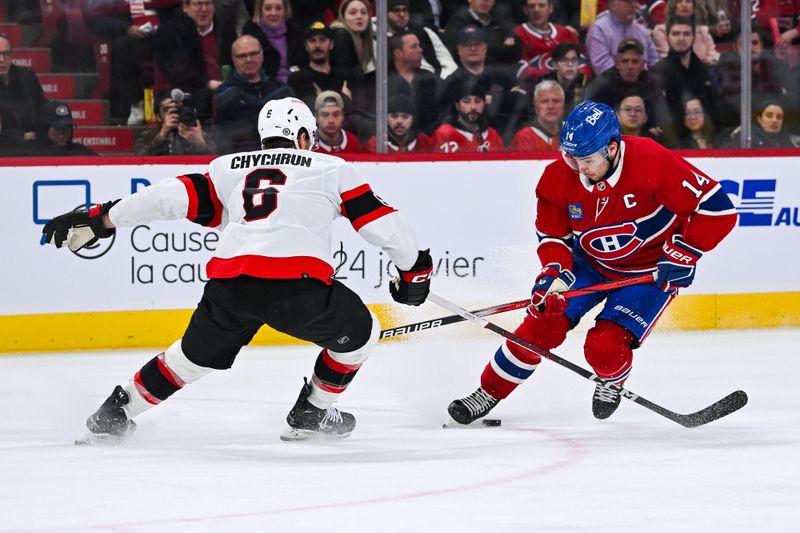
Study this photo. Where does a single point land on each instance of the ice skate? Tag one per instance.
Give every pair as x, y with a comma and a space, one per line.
109, 424
475, 406
604, 402
308, 421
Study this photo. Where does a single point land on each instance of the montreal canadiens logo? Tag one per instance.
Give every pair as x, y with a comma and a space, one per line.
610, 243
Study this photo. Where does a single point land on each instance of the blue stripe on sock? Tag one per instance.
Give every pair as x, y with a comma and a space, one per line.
510, 368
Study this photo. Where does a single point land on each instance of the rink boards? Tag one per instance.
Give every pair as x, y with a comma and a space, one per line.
138, 289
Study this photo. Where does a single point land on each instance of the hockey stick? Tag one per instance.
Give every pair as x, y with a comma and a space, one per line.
727, 405
511, 306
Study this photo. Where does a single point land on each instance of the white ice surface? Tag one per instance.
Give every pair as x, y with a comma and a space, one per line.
209, 459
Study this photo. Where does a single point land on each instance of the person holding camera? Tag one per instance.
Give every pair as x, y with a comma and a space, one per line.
178, 132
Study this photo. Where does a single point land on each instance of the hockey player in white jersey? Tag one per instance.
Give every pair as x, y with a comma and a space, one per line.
274, 209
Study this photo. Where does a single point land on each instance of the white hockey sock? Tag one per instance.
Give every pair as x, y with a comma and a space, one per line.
321, 398
137, 404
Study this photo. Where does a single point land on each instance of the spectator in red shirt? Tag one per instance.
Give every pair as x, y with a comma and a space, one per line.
541, 135
469, 130
402, 135
333, 138
538, 35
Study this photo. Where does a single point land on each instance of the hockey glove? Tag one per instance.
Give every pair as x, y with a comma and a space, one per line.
79, 228
414, 284
676, 267
546, 297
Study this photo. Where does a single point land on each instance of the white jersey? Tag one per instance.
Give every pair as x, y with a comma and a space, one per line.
275, 209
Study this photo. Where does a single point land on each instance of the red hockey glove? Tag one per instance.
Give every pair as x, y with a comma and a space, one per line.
676, 267
414, 284
546, 297
79, 228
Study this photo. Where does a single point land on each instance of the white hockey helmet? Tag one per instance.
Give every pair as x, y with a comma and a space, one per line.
286, 118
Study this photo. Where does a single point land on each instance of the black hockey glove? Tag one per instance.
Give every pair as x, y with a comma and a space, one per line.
414, 284
79, 228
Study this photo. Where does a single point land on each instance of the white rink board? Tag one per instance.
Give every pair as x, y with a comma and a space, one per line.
477, 218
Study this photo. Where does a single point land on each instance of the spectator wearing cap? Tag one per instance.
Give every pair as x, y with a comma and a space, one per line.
436, 57
54, 134
407, 78
318, 74
503, 48
468, 130
21, 96
628, 76
333, 138
542, 133
682, 73
504, 97
191, 49
569, 74
240, 97
613, 27
703, 46
538, 35
402, 134
173, 136
281, 41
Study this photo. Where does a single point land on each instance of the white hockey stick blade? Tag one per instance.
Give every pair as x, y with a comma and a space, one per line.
484, 422
79, 237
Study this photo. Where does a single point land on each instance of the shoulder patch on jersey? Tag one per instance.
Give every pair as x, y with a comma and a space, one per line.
575, 211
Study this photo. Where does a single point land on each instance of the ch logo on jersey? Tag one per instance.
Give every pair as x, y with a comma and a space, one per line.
614, 242
609, 243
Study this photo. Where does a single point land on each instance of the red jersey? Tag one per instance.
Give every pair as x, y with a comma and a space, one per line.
421, 144
532, 139
349, 144
535, 42
449, 139
621, 224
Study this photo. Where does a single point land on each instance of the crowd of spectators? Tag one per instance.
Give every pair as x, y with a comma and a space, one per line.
463, 75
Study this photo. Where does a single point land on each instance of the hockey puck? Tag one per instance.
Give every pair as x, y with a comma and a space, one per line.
491, 422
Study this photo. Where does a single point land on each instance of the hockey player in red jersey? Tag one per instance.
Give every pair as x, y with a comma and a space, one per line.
612, 207
272, 266
468, 130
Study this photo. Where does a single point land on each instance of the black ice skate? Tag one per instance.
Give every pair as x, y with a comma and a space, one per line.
308, 421
475, 406
604, 402
109, 424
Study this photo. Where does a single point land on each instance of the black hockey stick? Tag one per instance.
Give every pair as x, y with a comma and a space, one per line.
729, 404
511, 306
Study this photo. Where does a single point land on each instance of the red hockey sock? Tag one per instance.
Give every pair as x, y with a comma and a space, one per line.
513, 364
608, 350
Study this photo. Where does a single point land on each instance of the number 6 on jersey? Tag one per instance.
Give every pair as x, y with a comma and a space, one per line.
259, 202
